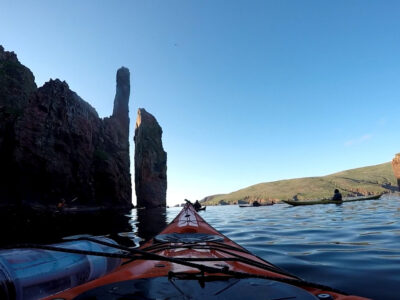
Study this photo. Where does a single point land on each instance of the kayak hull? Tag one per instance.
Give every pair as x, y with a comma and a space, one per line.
327, 201
190, 257
251, 205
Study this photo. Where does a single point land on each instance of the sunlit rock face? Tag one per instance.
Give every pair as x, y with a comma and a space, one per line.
54, 145
150, 162
396, 168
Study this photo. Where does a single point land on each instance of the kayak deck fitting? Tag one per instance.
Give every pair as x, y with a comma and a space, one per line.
190, 259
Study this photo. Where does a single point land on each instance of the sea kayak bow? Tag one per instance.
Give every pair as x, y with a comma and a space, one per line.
190, 259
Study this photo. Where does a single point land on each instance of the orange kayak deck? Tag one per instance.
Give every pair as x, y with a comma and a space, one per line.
190, 259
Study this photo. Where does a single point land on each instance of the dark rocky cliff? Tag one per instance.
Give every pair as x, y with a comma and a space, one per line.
150, 162
54, 146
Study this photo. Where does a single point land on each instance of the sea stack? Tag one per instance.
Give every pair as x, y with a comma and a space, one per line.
54, 146
150, 162
111, 158
121, 101
396, 168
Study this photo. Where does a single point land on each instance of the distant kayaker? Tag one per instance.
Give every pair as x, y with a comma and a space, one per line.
197, 205
337, 196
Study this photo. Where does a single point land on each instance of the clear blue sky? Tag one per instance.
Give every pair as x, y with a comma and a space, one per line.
245, 91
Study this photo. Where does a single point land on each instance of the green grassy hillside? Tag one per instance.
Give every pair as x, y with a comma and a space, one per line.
361, 181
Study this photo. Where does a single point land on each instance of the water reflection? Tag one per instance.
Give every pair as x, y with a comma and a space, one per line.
340, 246
150, 222
45, 228
127, 228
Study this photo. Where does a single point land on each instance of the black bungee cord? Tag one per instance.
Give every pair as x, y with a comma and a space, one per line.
136, 254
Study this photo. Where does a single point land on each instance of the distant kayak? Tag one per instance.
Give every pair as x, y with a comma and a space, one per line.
329, 201
251, 205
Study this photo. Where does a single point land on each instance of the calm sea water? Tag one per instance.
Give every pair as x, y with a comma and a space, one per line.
354, 246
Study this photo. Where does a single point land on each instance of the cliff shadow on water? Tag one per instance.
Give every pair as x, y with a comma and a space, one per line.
150, 222
26, 226
125, 227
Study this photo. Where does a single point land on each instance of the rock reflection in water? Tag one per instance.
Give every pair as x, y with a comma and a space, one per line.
151, 221
44, 228
20, 226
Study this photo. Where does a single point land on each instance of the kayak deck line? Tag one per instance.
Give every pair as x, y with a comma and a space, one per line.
221, 245
202, 268
181, 252
179, 260
152, 256
236, 257
187, 219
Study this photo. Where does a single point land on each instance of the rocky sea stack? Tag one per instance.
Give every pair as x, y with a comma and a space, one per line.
54, 146
150, 162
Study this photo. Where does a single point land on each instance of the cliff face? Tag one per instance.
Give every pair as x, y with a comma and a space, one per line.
54, 145
17, 84
396, 168
150, 162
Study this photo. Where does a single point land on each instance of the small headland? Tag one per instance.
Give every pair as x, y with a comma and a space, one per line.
365, 181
